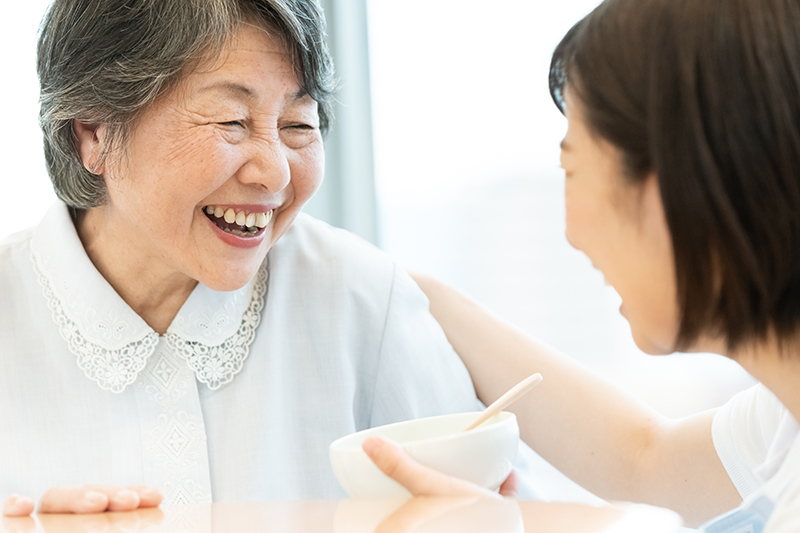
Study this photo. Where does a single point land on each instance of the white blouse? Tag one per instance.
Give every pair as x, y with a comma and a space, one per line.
242, 396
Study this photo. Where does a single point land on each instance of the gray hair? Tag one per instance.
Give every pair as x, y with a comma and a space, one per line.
106, 61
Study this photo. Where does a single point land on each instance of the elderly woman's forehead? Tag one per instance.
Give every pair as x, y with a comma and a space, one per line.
246, 37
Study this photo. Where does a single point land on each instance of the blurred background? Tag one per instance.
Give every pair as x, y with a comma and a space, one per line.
444, 154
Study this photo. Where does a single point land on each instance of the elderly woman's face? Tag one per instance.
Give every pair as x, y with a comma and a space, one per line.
216, 171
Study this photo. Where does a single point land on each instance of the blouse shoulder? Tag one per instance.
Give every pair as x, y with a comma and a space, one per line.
15, 254
325, 253
15, 241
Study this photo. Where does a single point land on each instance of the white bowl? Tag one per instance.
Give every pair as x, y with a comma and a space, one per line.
484, 456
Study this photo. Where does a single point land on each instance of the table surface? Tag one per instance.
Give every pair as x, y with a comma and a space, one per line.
419, 515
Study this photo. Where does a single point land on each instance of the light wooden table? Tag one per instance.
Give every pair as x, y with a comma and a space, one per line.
419, 515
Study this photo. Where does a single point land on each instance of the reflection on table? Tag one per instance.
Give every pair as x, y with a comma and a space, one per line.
423, 515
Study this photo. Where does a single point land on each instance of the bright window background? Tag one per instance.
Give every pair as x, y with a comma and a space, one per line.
466, 147
25, 190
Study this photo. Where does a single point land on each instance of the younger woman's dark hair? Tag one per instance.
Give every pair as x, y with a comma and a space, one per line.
705, 95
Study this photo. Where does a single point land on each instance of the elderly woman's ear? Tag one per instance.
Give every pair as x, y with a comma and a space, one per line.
89, 140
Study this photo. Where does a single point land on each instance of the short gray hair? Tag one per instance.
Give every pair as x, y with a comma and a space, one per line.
106, 61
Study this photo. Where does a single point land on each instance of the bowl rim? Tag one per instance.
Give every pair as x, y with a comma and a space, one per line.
507, 417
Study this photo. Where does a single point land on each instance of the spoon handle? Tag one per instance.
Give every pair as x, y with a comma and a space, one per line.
507, 399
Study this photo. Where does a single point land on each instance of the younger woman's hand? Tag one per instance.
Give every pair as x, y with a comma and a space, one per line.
421, 480
86, 499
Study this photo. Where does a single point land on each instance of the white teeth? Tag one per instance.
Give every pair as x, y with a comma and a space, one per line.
260, 220
252, 221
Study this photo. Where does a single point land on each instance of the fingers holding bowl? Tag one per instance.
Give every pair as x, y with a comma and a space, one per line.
418, 479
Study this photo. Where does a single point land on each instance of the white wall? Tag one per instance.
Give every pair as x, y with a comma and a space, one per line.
25, 191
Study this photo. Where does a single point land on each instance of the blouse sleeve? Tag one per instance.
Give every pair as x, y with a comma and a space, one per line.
419, 374
742, 431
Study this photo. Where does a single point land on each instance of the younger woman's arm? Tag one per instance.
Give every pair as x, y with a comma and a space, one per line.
596, 434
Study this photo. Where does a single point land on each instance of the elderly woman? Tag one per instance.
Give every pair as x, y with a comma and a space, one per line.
174, 326
682, 186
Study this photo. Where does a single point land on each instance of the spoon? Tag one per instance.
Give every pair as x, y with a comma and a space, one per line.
514, 394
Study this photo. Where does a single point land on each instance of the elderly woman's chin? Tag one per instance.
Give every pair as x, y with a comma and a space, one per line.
235, 269
229, 279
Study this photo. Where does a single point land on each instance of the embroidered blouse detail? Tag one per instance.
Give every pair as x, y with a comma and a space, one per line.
111, 369
217, 365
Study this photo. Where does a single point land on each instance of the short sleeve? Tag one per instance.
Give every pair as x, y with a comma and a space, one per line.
742, 432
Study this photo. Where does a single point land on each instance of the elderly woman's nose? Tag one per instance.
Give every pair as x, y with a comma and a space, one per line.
267, 165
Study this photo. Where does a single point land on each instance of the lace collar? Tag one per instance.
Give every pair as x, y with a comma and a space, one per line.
213, 330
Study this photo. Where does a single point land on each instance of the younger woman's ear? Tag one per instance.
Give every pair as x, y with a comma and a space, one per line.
89, 139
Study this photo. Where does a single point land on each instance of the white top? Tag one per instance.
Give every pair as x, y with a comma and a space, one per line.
758, 442
242, 396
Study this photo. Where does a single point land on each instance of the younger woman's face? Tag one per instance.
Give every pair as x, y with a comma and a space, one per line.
621, 227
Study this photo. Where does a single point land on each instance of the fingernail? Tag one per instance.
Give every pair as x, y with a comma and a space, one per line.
125, 495
93, 497
372, 446
152, 492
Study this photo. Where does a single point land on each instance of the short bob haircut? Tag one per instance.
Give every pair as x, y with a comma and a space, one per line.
106, 61
705, 95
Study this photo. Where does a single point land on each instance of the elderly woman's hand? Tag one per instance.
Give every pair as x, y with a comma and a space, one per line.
420, 480
86, 499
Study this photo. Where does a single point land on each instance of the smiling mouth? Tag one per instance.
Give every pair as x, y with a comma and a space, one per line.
239, 223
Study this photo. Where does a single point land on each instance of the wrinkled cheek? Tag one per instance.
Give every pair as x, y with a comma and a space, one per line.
308, 178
